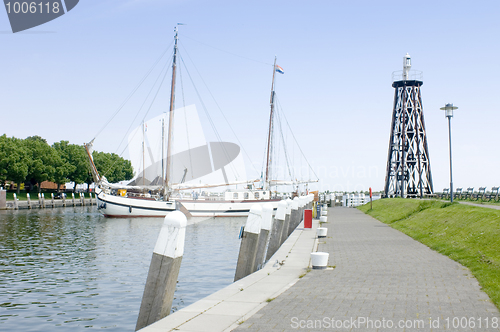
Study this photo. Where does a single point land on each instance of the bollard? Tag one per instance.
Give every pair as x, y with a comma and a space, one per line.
249, 242
319, 260
64, 199
294, 216
52, 200
29, 200
82, 199
286, 224
16, 205
277, 230
321, 232
265, 229
73, 198
163, 270
39, 200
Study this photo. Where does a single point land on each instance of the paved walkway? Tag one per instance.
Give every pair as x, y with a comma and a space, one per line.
382, 279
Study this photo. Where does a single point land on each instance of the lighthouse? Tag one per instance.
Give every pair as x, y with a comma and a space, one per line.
408, 171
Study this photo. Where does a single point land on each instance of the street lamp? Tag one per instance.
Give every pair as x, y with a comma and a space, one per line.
448, 112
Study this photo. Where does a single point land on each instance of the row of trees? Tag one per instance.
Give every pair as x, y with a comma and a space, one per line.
32, 161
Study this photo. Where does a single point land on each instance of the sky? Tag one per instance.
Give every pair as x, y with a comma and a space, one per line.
64, 80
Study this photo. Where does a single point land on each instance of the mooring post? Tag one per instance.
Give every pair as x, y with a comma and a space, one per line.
286, 224
52, 200
29, 200
64, 199
163, 270
73, 198
16, 205
265, 229
82, 199
294, 216
249, 241
39, 200
277, 230
3, 199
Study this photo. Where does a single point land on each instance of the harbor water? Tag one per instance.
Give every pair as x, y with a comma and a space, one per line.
72, 269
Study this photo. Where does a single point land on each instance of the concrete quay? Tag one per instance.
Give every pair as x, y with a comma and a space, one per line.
383, 281
227, 308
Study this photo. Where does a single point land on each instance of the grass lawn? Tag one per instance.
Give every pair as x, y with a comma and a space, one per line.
467, 234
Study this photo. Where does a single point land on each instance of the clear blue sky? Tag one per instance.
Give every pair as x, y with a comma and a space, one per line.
64, 79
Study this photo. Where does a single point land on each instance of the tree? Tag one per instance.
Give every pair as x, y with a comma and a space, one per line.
44, 161
14, 160
74, 156
113, 167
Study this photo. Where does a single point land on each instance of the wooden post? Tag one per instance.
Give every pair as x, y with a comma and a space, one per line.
64, 199
294, 216
277, 230
52, 200
16, 205
39, 200
163, 270
249, 241
265, 229
73, 198
3, 199
82, 198
286, 224
29, 200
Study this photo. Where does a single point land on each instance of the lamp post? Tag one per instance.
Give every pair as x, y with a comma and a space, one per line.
448, 109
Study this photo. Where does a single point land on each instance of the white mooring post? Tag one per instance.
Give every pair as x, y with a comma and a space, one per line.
16, 205
265, 229
286, 224
64, 199
295, 216
29, 200
52, 200
163, 270
277, 230
73, 198
249, 242
39, 200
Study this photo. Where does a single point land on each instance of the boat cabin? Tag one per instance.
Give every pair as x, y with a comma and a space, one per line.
247, 195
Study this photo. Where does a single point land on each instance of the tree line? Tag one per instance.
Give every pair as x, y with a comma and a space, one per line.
32, 161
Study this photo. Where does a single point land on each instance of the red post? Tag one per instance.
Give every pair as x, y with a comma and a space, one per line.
308, 218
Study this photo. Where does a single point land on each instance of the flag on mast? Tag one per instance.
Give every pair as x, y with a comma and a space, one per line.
279, 69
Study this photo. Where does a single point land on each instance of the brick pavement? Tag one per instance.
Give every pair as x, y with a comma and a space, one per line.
382, 279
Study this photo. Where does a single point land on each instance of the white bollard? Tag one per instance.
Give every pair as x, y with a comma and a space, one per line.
321, 232
163, 270
319, 260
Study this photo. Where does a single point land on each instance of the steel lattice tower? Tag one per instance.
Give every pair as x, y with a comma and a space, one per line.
408, 165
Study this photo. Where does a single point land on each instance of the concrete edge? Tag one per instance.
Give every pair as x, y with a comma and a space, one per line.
227, 308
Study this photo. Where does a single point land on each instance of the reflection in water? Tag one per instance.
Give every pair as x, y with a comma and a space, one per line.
72, 268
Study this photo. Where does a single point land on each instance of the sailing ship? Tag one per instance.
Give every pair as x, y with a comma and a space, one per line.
158, 195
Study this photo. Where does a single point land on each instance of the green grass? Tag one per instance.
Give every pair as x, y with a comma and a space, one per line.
467, 234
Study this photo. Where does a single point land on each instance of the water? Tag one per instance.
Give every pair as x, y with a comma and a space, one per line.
71, 268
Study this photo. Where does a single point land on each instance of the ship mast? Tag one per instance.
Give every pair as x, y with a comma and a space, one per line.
268, 162
171, 120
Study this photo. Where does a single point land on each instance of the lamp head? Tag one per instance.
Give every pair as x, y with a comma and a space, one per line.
448, 110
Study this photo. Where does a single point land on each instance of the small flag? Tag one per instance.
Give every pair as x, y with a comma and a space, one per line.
279, 69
